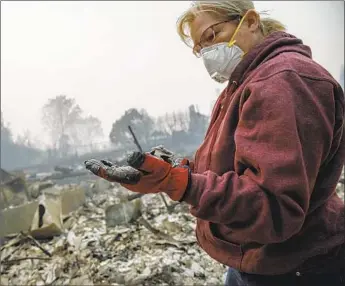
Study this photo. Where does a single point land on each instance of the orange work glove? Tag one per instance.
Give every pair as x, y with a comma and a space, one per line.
168, 156
145, 174
158, 176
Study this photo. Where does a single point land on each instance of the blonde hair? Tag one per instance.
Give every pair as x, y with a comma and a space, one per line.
223, 10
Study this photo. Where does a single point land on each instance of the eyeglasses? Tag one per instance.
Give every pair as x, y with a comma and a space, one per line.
209, 36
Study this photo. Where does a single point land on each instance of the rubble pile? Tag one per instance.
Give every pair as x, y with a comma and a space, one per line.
101, 234
150, 246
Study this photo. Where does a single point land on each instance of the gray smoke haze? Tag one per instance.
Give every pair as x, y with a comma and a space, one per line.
115, 55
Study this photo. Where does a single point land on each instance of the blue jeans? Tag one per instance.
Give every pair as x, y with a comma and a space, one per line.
236, 278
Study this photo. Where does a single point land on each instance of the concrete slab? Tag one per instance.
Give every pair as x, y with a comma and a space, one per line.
71, 198
42, 217
16, 219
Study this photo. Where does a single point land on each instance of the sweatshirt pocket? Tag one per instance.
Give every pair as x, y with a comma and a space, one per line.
223, 251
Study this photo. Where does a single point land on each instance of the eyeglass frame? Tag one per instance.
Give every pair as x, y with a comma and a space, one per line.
201, 46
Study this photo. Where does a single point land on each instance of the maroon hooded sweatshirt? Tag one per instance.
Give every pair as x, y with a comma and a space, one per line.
264, 179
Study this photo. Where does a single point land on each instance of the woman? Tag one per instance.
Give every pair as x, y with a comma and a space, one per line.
262, 185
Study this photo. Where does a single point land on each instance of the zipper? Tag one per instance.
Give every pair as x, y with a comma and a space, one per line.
220, 116
242, 256
218, 113
211, 125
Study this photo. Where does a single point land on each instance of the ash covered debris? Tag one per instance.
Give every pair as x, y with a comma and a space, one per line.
156, 248
113, 239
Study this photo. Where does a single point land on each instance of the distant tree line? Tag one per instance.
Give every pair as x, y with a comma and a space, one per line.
67, 127
72, 132
63, 119
174, 130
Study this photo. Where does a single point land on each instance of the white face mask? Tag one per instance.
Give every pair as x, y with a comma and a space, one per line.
221, 60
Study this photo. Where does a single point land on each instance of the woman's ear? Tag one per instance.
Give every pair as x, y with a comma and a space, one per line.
252, 20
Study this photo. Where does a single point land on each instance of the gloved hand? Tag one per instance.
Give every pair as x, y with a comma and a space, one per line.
156, 175
168, 156
113, 173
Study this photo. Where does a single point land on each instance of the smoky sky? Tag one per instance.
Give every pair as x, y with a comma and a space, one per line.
111, 56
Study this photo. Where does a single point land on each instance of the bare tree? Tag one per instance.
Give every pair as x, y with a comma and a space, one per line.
59, 116
25, 139
197, 121
139, 120
172, 122
160, 125
86, 132
183, 119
